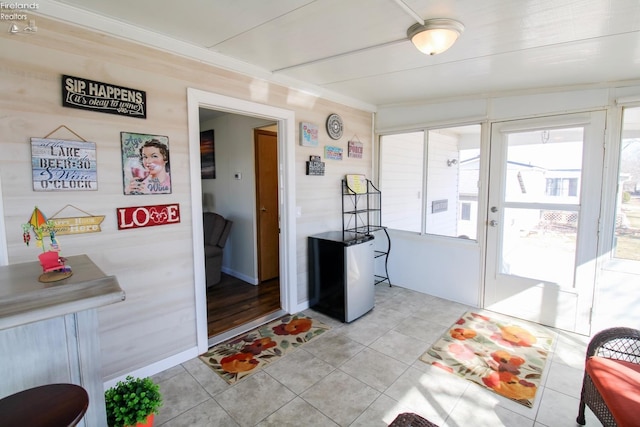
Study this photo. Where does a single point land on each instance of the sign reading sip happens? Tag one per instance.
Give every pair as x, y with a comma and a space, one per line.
103, 97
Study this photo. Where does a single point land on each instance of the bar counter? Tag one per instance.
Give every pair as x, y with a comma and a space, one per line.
49, 331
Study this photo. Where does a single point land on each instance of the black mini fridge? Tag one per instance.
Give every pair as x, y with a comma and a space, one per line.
341, 278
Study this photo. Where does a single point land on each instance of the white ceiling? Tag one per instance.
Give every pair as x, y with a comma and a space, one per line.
507, 45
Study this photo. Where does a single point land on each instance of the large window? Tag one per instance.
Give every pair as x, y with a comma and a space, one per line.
429, 181
627, 225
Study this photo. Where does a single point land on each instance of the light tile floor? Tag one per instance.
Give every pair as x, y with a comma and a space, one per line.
367, 372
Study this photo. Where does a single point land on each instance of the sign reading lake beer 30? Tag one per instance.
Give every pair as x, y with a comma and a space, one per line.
147, 216
58, 164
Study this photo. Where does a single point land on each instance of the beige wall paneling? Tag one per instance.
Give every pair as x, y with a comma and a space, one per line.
154, 265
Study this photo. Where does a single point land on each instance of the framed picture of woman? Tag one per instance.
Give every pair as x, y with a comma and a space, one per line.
145, 164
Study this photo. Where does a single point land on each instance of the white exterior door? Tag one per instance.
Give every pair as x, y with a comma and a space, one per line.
542, 223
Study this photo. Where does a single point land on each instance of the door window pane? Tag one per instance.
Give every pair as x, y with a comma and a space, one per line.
544, 166
627, 225
539, 244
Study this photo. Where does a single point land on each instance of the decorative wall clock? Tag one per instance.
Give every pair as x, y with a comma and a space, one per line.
334, 126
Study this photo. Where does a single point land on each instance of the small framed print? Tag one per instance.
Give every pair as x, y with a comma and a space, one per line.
355, 149
333, 153
308, 134
207, 155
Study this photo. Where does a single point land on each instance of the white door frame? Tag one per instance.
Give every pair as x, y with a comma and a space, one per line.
586, 251
4, 257
286, 182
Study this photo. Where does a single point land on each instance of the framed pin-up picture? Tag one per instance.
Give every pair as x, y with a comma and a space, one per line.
145, 164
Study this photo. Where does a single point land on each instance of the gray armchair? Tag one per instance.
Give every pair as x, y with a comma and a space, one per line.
216, 230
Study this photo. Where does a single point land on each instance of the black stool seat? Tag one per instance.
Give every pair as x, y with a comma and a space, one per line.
409, 419
51, 405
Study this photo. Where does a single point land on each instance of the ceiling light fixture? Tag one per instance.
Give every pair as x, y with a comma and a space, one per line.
435, 35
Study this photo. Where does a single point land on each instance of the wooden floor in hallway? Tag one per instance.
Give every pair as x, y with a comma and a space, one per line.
232, 303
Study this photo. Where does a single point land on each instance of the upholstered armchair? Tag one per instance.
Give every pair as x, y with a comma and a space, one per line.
216, 230
611, 384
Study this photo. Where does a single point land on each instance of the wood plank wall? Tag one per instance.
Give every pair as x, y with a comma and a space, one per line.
153, 265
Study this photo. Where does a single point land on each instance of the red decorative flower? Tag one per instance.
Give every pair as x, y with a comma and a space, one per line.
480, 316
514, 336
510, 386
462, 334
294, 327
441, 366
507, 362
258, 346
241, 362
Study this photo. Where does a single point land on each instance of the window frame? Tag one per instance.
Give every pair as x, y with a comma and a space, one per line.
425, 205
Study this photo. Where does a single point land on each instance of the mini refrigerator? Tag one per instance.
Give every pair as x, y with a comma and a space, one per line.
341, 278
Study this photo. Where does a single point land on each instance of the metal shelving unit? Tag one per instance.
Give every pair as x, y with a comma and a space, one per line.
361, 214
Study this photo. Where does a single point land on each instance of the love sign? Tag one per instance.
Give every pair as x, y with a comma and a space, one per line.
147, 216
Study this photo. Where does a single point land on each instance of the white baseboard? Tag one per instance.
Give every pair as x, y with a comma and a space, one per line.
176, 359
241, 276
156, 367
301, 307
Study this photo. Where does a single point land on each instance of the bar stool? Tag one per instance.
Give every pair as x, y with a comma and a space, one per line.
51, 405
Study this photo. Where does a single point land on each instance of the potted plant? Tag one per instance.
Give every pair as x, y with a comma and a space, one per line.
132, 402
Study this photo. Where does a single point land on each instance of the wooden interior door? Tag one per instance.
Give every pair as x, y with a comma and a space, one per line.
266, 150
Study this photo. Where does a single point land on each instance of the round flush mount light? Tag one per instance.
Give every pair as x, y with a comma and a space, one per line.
435, 35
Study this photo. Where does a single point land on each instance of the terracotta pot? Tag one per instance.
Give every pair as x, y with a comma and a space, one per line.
147, 423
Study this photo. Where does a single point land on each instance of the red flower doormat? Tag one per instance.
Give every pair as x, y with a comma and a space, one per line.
504, 354
241, 356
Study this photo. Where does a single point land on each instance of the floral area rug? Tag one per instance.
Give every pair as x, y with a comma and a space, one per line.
242, 356
501, 353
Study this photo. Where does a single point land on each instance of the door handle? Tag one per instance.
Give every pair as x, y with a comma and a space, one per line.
494, 209
263, 209
493, 223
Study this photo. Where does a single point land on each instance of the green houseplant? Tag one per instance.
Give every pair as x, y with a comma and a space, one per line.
132, 402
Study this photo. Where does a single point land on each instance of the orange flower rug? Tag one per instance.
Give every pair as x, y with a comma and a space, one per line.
246, 354
501, 353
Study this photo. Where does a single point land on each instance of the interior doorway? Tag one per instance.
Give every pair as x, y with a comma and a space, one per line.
244, 297
285, 120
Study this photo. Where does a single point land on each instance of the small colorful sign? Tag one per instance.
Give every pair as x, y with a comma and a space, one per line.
355, 149
333, 153
77, 225
147, 216
61, 165
308, 134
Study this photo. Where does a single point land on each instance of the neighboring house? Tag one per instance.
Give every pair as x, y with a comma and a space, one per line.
530, 181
